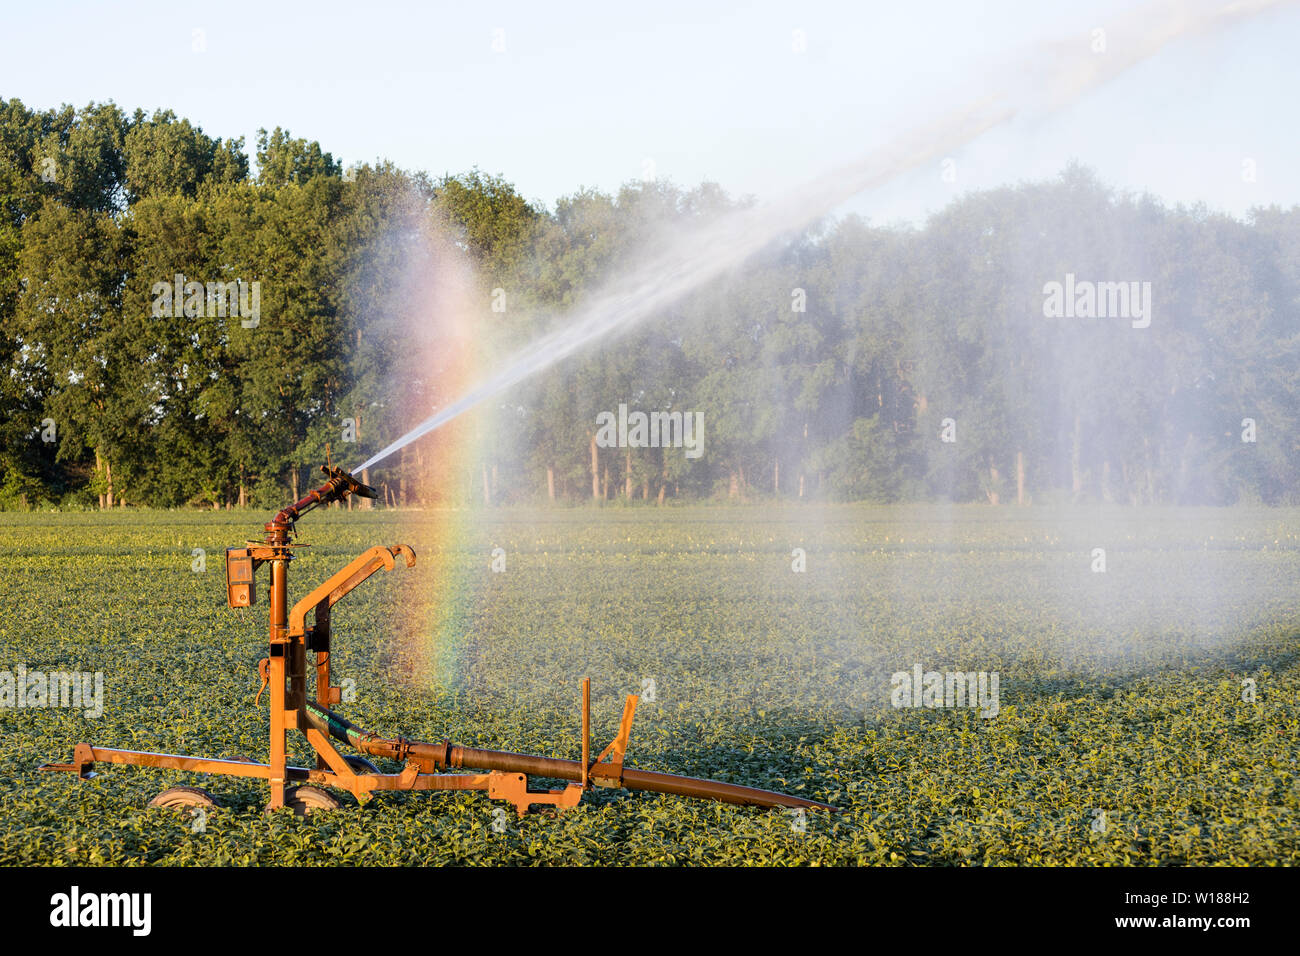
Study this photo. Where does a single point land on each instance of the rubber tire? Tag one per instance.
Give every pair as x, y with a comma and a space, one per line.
306, 800
360, 764
176, 797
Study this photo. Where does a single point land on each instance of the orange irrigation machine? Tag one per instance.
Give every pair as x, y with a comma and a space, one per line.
502, 774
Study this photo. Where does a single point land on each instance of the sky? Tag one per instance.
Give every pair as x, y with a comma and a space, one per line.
757, 97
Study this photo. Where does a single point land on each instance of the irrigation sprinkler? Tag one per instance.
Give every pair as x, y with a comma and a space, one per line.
284, 672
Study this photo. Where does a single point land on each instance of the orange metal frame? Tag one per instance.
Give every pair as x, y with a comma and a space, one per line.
284, 673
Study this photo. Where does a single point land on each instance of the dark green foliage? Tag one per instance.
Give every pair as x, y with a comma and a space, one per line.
825, 367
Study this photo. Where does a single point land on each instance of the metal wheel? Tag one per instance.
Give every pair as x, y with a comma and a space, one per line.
174, 797
304, 801
360, 764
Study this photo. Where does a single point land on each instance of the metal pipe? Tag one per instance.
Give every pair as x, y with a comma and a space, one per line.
340, 485
276, 674
446, 754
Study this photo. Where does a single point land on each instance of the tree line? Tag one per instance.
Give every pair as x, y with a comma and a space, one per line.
181, 330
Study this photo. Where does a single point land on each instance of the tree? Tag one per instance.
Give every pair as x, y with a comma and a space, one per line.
77, 339
165, 155
282, 160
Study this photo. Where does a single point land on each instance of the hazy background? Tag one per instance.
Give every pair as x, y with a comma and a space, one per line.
585, 96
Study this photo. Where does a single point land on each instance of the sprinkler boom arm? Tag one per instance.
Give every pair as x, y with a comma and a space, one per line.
340, 485
341, 582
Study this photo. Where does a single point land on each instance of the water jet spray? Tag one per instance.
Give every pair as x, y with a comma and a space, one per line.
1034, 92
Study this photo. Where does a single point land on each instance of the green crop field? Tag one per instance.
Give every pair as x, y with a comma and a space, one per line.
1147, 713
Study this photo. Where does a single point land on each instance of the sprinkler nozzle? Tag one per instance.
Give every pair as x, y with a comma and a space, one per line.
346, 484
